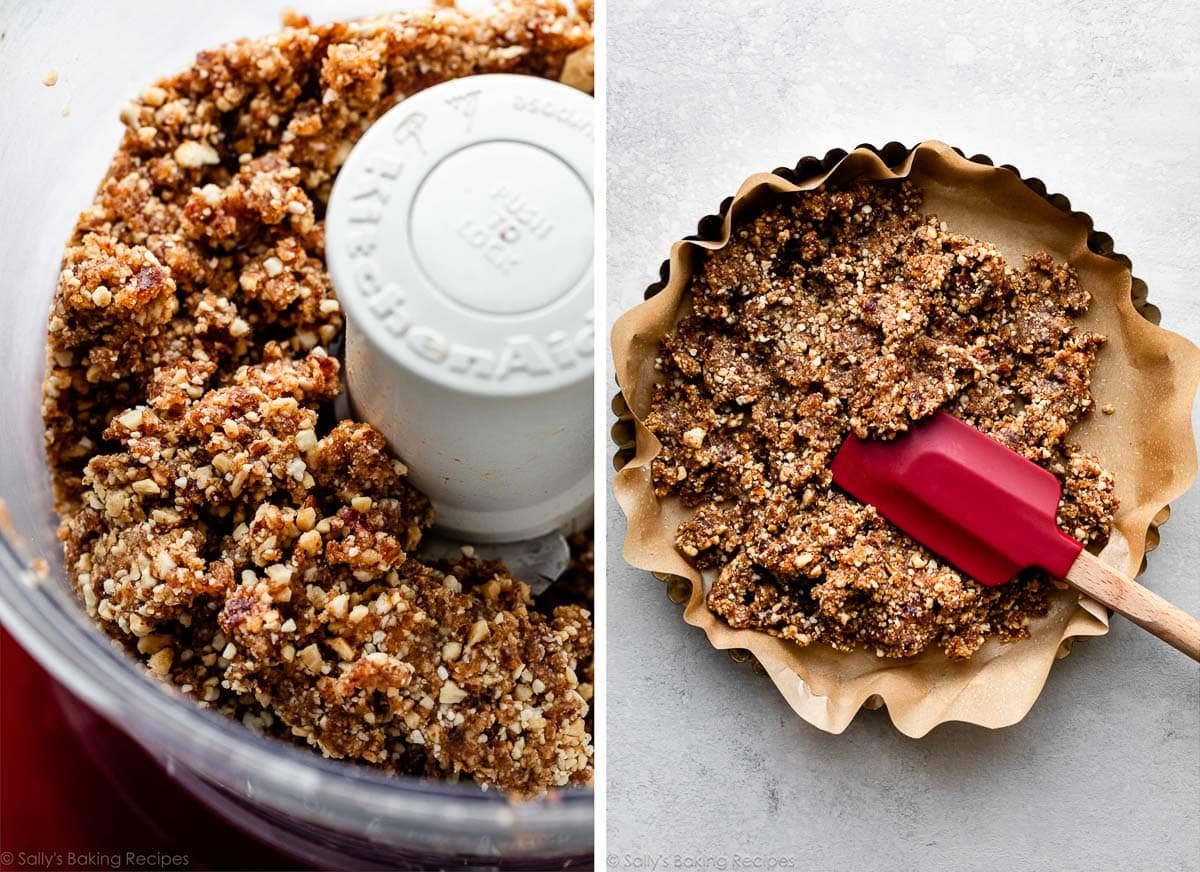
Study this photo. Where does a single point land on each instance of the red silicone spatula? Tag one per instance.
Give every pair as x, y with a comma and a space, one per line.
991, 513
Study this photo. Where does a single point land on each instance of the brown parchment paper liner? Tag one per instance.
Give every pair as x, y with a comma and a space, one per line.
1148, 374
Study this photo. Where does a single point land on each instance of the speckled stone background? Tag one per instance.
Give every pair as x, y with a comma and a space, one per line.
707, 767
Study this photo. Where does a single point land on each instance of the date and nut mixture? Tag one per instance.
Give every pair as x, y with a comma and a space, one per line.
253, 551
850, 310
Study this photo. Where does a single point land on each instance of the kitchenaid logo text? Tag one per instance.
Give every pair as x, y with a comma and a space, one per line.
498, 234
521, 353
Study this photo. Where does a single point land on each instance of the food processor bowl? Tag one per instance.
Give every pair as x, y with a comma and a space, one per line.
55, 142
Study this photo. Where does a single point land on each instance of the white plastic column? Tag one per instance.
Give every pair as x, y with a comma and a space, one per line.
459, 239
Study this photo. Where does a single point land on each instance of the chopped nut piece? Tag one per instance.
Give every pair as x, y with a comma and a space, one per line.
306, 519
479, 632
154, 96
280, 573
160, 662
338, 605
310, 542
193, 154
131, 420
342, 648
580, 69
139, 625
147, 487
152, 644
311, 658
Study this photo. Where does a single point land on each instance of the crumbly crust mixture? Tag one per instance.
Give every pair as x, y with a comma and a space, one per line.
253, 551
850, 310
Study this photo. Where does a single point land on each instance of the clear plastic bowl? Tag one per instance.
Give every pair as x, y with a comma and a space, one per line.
55, 143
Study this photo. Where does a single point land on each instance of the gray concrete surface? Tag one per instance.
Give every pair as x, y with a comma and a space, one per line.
708, 768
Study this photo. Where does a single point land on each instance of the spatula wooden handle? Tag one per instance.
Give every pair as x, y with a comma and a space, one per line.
1146, 609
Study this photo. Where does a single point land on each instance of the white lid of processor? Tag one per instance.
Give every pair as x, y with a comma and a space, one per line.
459, 235
459, 239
